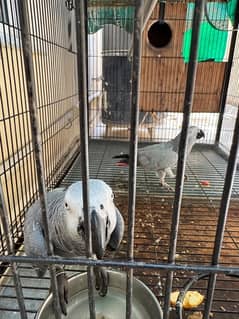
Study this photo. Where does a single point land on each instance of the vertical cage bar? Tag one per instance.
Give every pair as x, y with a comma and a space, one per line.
225, 201
36, 16
149, 7
135, 88
36, 140
9, 244
227, 75
188, 100
82, 66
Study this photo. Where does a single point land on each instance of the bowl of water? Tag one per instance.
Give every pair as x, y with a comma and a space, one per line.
144, 303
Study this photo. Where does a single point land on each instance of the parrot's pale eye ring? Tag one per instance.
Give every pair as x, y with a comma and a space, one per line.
101, 206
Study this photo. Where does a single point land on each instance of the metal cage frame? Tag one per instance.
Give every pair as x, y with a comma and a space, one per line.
130, 264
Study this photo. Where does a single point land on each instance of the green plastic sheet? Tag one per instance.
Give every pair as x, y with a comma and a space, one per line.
213, 43
119, 16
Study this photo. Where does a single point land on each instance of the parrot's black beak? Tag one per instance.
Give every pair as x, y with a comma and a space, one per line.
98, 229
200, 134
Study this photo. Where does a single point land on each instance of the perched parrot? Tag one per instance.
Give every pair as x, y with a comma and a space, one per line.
162, 157
67, 230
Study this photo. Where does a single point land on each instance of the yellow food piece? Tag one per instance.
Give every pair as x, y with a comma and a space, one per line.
174, 297
192, 299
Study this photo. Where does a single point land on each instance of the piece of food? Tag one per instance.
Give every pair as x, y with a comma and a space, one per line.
205, 183
191, 300
174, 297
121, 164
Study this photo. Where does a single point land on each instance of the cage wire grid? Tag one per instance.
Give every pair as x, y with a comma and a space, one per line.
195, 244
55, 69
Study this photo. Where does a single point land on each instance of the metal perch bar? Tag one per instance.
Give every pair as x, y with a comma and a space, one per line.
188, 99
36, 140
127, 264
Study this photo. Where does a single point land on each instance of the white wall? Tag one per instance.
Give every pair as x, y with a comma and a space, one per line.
95, 63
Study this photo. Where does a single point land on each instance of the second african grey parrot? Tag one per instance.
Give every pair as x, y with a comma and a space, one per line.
162, 157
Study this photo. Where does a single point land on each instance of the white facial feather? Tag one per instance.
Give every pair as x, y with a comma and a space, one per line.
192, 137
100, 199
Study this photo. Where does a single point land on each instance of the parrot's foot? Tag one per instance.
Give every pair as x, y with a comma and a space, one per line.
166, 185
62, 288
170, 173
101, 280
186, 177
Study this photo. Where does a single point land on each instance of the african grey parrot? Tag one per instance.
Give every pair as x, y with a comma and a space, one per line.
66, 226
162, 157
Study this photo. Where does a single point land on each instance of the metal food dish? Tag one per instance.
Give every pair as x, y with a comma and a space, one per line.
145, 304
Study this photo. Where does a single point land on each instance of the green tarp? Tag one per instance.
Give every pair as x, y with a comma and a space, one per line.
119, 16
213, 44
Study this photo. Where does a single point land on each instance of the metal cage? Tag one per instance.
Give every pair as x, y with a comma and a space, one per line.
63, 111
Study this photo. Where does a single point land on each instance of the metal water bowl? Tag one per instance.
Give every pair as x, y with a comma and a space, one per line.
112, 306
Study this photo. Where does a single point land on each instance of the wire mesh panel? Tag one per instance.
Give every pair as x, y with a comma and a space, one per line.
181, 237
54, 56
232, 102
164, 69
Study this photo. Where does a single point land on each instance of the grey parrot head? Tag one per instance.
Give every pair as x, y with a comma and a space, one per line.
195, 132
107, 224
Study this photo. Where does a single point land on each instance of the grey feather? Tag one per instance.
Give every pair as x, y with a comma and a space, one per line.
162, 157
67, 237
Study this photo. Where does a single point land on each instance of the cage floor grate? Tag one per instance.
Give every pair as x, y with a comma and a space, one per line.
200, 208
203, 164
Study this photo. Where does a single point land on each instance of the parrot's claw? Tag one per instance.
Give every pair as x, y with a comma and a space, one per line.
63, 290
167, 186
101, 280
